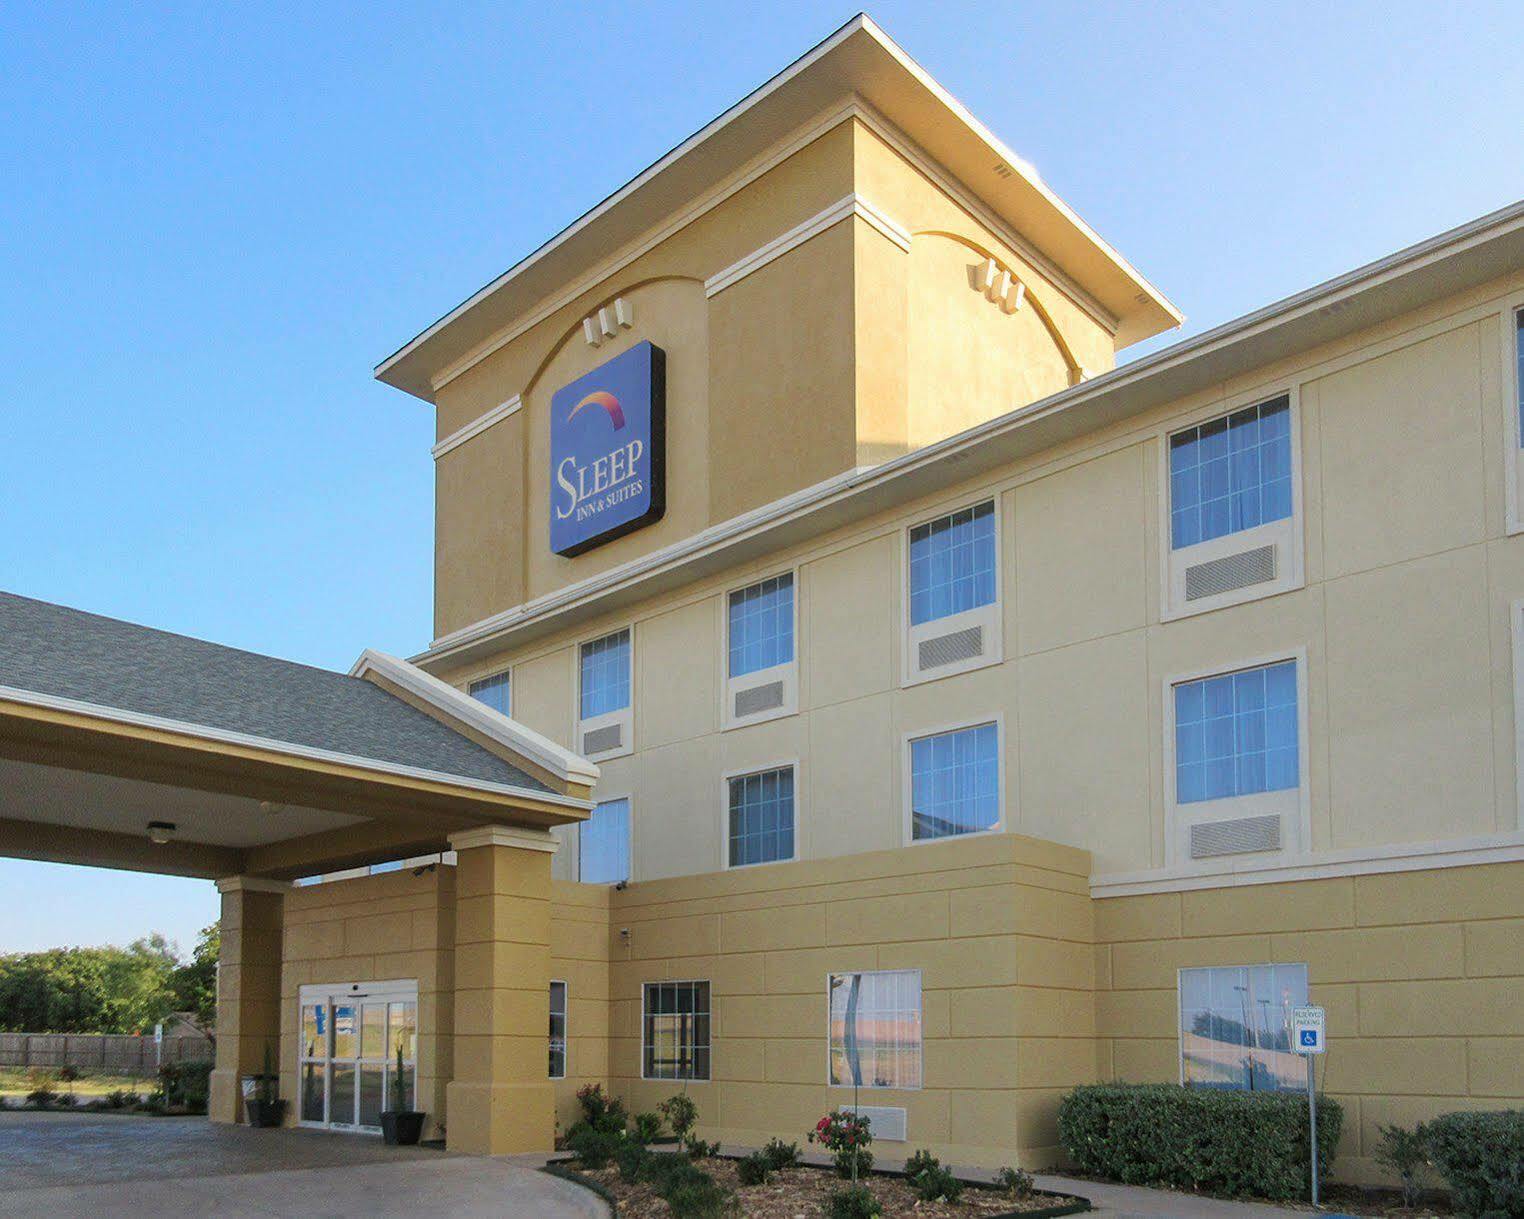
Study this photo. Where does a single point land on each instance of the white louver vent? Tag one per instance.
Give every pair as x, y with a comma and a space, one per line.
768, 697
601, 740
950, 648
884, 1123
1229, 573
1213, 838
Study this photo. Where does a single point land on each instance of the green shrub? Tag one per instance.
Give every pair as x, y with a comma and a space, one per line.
1213, 1140
43, 1097
1481, 1155
647, 1127
599, 1111
700, 1150
184, 1085
630, 1157
593, 1148
937, 1183
1405, 1154
919, 1162
681, 1114
1017, 1182
854, 1202
705, 1199
121, 1098
844, 1162
754, 1169
665, 1171
781, 1155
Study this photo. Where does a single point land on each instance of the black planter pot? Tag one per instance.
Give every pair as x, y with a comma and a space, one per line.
401, 1127
264, 1113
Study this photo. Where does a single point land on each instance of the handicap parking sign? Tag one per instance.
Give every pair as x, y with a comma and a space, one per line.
1307, 1027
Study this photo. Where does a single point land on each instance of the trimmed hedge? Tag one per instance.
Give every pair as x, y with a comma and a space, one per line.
1481, 1155
1213, 1140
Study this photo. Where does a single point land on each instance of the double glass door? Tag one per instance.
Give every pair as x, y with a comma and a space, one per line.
348, 1063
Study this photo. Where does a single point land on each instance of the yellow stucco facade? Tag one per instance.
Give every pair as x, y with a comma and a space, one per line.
868, 329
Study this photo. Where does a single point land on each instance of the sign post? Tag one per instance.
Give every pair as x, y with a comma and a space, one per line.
1307, 1029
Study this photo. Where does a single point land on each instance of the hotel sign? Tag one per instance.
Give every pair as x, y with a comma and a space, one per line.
607, 458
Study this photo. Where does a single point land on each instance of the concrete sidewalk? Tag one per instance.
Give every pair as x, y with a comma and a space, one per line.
1135, 1202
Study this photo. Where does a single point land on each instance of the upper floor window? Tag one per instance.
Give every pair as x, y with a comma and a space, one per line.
1518, 356
605, 674
761, 817
496, 691
952, 564
1236, 734
1230, 474
1235, 1027
603, 847
674, 1030
875, 1029
761, 634
955, 782
558, 1030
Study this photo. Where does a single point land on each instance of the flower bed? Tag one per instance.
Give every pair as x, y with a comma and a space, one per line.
805, 1191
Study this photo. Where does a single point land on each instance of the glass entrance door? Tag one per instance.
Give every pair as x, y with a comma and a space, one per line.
348, 1062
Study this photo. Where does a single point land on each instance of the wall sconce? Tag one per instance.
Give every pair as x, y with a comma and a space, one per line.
160, 832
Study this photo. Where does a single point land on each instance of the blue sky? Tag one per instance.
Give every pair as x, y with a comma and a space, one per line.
214, 220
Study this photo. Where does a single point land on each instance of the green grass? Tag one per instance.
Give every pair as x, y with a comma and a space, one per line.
18, 1081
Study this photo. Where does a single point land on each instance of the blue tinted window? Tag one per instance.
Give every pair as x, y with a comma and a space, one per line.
1518, 351
952, 564
955, 782
1236, 734
603, 857
762, 817
762, 626
495, 691
606, 674
1235, 1027
1230, 474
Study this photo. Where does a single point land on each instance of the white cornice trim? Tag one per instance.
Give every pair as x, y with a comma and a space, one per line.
220, 736
461, 707
1360, 861
251, 884
518, 837
477, 426
848, 205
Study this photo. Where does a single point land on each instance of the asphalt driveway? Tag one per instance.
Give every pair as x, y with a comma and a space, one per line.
77, 1165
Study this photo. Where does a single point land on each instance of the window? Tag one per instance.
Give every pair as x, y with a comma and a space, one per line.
606, 674
955, 782
761, 817
603, 856
1518, 358
1235, 1027
495, 691
558, 1030
762, 626
875, 1035
1236, 734
952, 564
1230, 474
674, 1030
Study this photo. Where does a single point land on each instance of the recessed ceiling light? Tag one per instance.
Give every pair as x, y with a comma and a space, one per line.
161, 831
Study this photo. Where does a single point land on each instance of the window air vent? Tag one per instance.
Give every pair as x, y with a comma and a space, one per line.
951, 648
1230, 572
601, 740
1210, 838
888, 1124
758, 699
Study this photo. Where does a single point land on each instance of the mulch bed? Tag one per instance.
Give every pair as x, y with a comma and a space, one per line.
1382, 1203
803, 1193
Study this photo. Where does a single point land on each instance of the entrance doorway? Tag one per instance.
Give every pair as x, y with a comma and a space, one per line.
350, 1034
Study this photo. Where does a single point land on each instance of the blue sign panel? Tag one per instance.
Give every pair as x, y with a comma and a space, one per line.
607, 451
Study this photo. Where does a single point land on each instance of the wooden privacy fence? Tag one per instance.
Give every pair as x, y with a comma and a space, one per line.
112, 1053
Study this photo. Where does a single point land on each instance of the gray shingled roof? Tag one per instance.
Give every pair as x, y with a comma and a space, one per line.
67, 653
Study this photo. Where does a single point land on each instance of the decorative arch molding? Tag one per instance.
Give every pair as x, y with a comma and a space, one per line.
1075, 369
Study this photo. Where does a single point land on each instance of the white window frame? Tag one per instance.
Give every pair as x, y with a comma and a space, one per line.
991, 617
505, 671
607, 798
565, 1029
644, 1045
921, 983
1513, 457
624, 717
741, 773
1516, 633
1292, 804
907, 783
1288, 535
1180, 1003
788, 673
